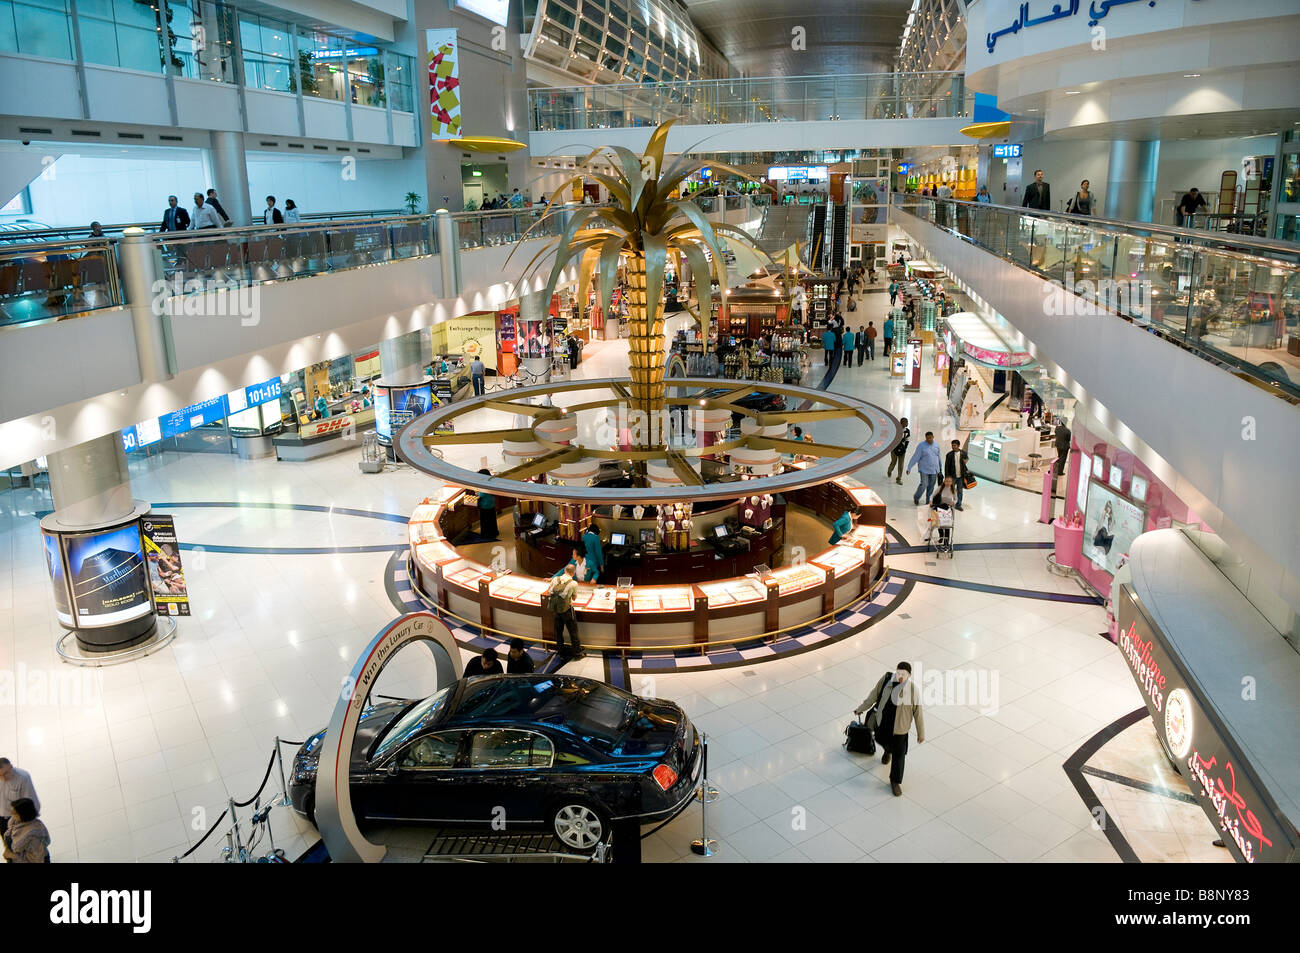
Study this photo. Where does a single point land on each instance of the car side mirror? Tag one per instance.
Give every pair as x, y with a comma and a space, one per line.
391, 769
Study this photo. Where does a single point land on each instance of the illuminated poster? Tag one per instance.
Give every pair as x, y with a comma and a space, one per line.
1218, 773
383, 421
1110, 524
444, 83
163, 554
1081, 492
54, 562
109, 582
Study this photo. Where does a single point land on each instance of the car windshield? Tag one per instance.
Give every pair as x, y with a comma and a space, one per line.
587, 708
418, 716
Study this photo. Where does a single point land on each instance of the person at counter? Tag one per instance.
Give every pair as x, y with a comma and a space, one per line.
487, 512
485, 664
365, 396
595, 555
842, 526
559, 600
579, 564
518, 661
321, 406
1062, 446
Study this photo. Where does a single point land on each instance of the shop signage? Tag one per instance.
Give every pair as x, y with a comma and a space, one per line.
328, 425
444, 83
344, 54
163, 554
1097, 11
1006, 150
197, 415
1213, 766
334, 815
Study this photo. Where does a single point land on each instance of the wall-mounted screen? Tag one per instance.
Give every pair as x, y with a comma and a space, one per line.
798, 173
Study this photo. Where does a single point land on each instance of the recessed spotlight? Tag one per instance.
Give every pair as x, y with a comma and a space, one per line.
1072, 92
1190, 75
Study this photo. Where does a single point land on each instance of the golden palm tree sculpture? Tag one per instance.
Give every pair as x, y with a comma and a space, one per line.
645, 225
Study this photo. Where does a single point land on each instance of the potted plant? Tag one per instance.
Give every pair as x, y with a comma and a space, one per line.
413, 201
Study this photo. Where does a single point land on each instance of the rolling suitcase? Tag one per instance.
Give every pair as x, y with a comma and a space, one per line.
857, 738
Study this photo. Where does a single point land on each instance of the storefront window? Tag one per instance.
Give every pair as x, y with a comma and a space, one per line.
36, 28
320, 65
126, 33
401, 82
204, 35
267, 53
366, 78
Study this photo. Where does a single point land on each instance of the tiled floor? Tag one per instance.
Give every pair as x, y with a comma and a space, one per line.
140, 759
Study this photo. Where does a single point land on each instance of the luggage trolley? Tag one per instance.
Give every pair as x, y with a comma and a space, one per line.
938, 538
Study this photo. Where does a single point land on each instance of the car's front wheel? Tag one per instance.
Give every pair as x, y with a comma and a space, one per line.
579, 825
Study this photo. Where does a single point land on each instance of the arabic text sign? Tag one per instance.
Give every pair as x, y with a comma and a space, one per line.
1097, 10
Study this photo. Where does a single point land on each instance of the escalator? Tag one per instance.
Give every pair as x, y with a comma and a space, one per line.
816, 237
838, 239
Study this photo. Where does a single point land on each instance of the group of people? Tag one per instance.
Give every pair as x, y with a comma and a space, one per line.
208, 212
26, 838
840, 340
514, 200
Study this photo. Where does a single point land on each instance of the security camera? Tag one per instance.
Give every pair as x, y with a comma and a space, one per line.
27, 142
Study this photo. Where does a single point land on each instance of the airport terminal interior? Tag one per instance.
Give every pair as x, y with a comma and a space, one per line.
793, 432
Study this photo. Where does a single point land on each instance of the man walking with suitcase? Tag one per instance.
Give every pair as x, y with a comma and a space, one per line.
895, 704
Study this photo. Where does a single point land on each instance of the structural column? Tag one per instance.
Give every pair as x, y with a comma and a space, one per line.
230, 176
93, 547
140, 265
401, 359
1131, 180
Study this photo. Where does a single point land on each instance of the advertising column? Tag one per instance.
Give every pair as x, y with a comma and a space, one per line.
93, 548
403, 393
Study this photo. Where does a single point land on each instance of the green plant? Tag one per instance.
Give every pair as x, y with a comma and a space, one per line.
379, 97
306, 74
413, 201
644, 224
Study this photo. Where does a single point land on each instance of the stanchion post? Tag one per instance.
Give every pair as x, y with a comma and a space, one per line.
704, 846
240, 854
284, 788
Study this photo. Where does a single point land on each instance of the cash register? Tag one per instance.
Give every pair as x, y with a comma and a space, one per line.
619, 548
725, 542
535, 528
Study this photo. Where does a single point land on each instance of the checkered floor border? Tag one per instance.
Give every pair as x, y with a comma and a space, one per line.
854, 617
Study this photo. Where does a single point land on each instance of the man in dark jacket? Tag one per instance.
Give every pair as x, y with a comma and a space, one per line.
1038, 194
518, 661
1191, 203
1062, 446
175, 219
485, 664
954, 465
899, 453
217, 207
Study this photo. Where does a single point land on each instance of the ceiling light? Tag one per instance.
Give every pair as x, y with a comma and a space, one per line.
1190, 75
1072, 92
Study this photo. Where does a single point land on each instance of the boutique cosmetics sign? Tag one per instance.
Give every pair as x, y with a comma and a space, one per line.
1206, 757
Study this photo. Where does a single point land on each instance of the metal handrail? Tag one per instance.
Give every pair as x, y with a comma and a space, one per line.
83, 231
1290, 250
658, 88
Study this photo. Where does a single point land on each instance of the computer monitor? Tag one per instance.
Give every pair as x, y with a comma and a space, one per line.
647, 536
720, 532
618, 539
539, 520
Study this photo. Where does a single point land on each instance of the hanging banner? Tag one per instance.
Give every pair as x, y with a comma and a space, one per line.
163, 553
444, 83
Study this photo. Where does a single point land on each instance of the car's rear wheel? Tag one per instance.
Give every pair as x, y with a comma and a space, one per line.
579, 825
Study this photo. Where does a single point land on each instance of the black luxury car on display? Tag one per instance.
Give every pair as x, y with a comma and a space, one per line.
570, 753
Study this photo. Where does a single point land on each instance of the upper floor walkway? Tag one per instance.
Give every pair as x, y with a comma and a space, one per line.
1184, 343
758, 114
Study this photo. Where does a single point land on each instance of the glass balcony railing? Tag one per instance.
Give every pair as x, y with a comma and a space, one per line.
41, 281
767, 99
1234, 300
51, 274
